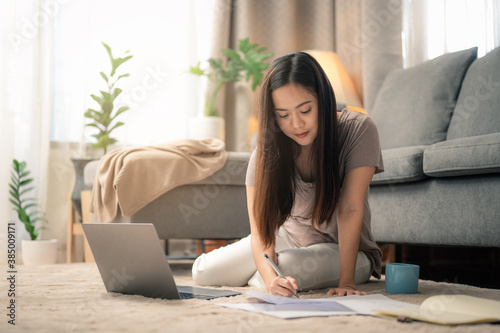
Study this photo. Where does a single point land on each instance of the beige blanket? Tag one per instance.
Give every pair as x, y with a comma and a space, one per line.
133, 177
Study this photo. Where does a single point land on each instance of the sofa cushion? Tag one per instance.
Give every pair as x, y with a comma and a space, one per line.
466, 156
414, 105
478, 105
401, 165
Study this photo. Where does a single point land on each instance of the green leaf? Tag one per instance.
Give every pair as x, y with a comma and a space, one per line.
26, 182
14, 203
244, 45
232, 72
106, 96
118, 78
14, 189
28, 206
94, 125
24, 174
93, 114
96, 98
108, 49
122, 76
104, 141
104, 76
262, 49
232, 54
118, 124
33, 214
216, 64
116, 93
14, 180
22, 165
26, 191
115, 63
120, 111
197, 69
38, 219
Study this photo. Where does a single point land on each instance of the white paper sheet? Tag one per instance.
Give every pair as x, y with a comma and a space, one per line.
367, 303
285, 311
288, 307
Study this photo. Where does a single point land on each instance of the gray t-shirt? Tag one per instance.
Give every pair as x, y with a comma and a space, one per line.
359, 146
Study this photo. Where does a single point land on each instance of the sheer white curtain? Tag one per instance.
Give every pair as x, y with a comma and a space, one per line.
435, 27
25, 98
165, 38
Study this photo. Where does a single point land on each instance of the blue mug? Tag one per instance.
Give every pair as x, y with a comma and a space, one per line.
401, 278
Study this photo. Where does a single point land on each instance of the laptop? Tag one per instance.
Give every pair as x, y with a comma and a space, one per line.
131, 260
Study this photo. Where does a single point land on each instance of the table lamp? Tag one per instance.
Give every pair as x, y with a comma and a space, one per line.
345, 93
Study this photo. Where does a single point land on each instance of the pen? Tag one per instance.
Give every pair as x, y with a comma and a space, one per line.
277, 270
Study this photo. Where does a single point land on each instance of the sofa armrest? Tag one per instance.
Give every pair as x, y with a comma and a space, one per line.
232, 173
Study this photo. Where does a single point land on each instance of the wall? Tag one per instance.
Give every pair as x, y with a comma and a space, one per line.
61, 179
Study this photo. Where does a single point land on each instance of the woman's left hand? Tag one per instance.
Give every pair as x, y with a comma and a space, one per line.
345, 291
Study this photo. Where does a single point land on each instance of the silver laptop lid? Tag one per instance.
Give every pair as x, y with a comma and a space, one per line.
130, 259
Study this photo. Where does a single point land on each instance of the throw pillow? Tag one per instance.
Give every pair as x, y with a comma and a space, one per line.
478, 105
414, 105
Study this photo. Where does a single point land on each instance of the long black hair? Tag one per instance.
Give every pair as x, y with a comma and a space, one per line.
275, 164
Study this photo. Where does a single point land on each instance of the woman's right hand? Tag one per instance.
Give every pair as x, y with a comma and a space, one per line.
276, 285
282, 287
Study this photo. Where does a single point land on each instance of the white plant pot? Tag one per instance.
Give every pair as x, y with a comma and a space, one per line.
207, 127
39, 252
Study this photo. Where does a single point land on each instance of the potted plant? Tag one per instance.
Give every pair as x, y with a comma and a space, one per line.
34, 251
245, 62
103, 119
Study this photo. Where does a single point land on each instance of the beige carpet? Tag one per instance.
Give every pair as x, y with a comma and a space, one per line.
72, 298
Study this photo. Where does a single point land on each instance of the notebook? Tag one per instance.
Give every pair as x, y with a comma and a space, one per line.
131, 260
449, 310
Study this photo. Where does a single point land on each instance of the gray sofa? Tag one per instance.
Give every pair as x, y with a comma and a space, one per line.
439, 127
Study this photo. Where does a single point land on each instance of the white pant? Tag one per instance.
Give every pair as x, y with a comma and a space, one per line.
314, 267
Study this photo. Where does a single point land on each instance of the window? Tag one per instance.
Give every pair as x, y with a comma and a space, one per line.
165, 38
435, 27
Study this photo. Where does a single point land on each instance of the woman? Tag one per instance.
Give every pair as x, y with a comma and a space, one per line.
307, 184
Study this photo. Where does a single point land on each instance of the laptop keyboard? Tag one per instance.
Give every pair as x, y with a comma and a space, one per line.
186, 295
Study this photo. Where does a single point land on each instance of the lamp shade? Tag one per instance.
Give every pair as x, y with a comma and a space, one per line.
338, 76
